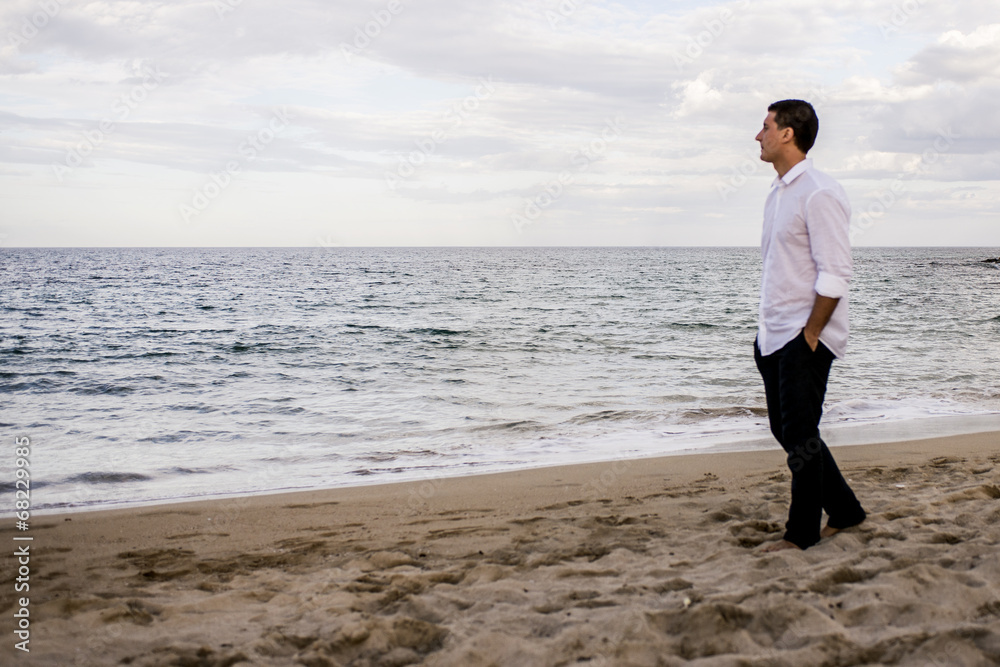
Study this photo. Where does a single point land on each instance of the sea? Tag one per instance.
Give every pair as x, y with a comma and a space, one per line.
150, 375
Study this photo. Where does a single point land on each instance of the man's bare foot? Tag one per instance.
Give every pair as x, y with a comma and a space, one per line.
828, 531
780, 545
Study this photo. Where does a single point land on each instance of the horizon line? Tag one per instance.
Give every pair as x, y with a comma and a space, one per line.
334, 247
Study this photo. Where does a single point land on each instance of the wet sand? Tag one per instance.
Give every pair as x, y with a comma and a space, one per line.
633, 562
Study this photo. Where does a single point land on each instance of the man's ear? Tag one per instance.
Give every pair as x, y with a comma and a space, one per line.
787, 134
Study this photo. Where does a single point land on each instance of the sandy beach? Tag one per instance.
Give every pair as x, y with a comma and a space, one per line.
639, 562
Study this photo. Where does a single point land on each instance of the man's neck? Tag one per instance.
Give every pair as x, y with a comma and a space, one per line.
783, 165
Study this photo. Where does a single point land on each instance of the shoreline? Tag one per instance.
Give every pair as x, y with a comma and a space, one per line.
683, 461
635, 561
836, 435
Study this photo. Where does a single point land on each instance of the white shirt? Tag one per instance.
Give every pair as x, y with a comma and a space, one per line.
806, 251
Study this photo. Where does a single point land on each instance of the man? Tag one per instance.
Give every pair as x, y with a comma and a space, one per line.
803, 319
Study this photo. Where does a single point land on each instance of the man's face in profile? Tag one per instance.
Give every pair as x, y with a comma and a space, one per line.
769, 138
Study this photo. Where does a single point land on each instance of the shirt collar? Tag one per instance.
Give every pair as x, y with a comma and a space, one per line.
794, 172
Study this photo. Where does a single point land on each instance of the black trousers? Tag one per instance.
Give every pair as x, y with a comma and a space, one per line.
794, 384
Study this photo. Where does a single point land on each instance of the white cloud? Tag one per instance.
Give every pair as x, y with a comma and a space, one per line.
956, 58
698, 95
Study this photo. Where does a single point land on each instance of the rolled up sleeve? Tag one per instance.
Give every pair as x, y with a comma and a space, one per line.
828, 220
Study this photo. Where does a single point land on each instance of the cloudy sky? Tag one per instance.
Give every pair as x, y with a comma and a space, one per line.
449, 122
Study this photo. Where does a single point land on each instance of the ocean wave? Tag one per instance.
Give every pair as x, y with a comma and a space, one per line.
141, 355
429, 331
519, 425
41, 385
692, 325
246, 347
103, 477
181, 436
705, 414
612, 416
11, 486
102, 389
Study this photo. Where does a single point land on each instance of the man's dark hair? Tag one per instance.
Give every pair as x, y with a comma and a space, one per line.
801, 117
